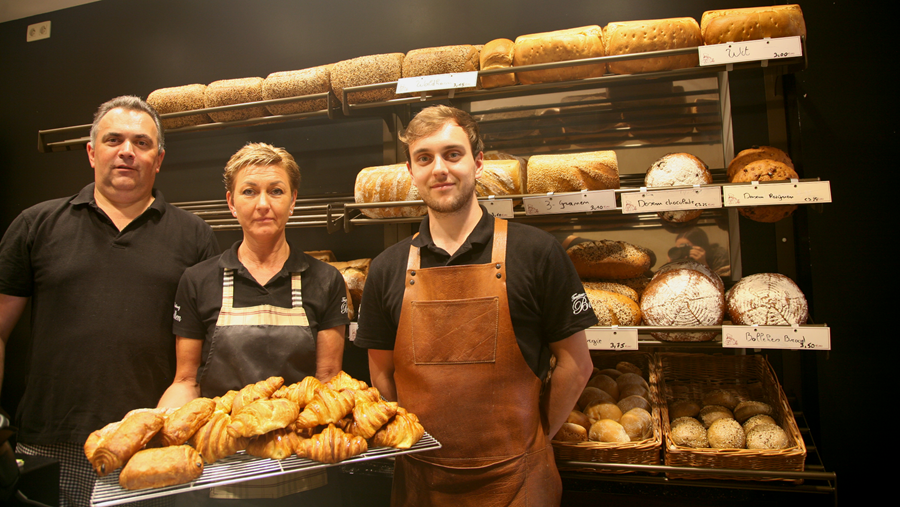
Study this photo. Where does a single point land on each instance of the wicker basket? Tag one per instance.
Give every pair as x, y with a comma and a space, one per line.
643, 452
689, 376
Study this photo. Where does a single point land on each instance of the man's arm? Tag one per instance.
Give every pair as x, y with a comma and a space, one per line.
572, 372
184, 388
11, 308
381, 369
329, 352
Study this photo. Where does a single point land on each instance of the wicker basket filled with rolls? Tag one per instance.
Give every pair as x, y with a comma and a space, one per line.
726, 412
617, 417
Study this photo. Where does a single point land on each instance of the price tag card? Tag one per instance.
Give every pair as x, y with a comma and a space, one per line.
776, 337
802, 192
351, 333
437, 82
671, 200
585, 201
750, 51
500, 208
611, 338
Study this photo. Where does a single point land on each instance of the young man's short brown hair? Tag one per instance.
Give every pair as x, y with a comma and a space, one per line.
432, 119
263, 155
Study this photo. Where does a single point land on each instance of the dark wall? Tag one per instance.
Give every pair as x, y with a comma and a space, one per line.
115, 47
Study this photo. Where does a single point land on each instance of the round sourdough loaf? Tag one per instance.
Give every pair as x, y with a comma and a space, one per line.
766, 299
757, 153
678, 169
765, 170
683, 297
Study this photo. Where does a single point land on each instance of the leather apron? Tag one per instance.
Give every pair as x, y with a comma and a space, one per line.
459, 368
254, 343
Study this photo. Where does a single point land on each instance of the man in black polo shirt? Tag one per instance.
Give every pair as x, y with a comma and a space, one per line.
101, 269
460, 322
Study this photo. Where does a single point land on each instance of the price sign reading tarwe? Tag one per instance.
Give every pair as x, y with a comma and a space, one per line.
500, 208
581, 202
801, 192
672, 200
777, 337
611, 338
750, 51
437, 82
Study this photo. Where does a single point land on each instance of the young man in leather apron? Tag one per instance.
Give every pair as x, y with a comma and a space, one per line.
457, 344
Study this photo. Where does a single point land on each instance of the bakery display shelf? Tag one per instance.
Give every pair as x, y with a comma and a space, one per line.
241, 467
646, 340
310, 211
60, 139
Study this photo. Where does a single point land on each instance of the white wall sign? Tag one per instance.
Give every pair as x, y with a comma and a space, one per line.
437, 82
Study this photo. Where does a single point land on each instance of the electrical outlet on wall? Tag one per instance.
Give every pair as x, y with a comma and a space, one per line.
38, 31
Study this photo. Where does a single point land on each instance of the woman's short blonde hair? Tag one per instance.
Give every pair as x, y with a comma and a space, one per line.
263, 155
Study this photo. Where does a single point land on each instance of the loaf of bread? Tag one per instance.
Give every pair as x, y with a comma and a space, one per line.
691, 264
557, 46
678, 169
765, 170
497, 54
501, 177
613, 309
366, 70
630, 37
754, 154
766, 299
609, 259
441, 60
752, 23
387, 183
178, 99
161, 466
683, 297
235, 91
297, 83
594, 170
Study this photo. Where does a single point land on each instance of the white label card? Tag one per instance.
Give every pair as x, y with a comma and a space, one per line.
611, 338
777, 337
500, 208
802, 192
750, 51
671, 200
437, 82
351, 333
586, 201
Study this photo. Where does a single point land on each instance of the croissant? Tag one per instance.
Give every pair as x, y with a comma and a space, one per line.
344, 381
328, 406
369, 417
252, 392
213, 441
331, 445
224, 402
164, 466
277, 444
301, 392
111, 446
401, 432
263, 416
184, 422
367, 395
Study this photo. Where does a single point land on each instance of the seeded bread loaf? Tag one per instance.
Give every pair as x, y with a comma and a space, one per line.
752, 23
630, 37
384, 184
497, 54
440, 60
609, 259
365, 70
557, 46
178, 99
235, 91
613, 309
595, 170
296, 83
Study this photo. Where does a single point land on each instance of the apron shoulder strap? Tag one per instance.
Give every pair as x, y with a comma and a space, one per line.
498, 250
413, 261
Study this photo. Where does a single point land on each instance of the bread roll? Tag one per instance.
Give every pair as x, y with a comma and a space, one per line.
600, 411
178, 99
557, 46
634, 390
609, 259
752, 23
384, 184
767, 436
497, 54
441, 60
607, 430
296, 83
501, 177
366, 70
628, 367
592, 395
747, 409
160, 467
605, 383
627, 379
634, 401
678, 169
638, 423
184, 422
578, 417
235, 91
688, 432
755, 421
570, 432
721, 397
766, 299
597, 170
712, 413
683, 297
726, 434
683, 408
630, 37
765, 170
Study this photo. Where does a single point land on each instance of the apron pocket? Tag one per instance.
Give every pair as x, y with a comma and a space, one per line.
455, 331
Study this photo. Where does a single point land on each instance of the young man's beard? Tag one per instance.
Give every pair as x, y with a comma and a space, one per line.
454, 205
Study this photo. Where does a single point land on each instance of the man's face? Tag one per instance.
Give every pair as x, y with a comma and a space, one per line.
444, 169
126, 157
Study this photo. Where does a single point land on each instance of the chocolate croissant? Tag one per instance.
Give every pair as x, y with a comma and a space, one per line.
258, 391
277, 444
111, 446
161, 466
328, 406
213, 441
369, 417
263, 416
401, 432
184, 422
331, 445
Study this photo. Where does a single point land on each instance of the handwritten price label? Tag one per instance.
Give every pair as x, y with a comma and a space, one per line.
604, 338
777, 337
351, 331
750, 51
500, 208
581, 202
437, 82
802, 192
671, 200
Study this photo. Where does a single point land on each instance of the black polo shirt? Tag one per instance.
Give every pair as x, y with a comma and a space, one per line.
101, 309
541, 287
199, 296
